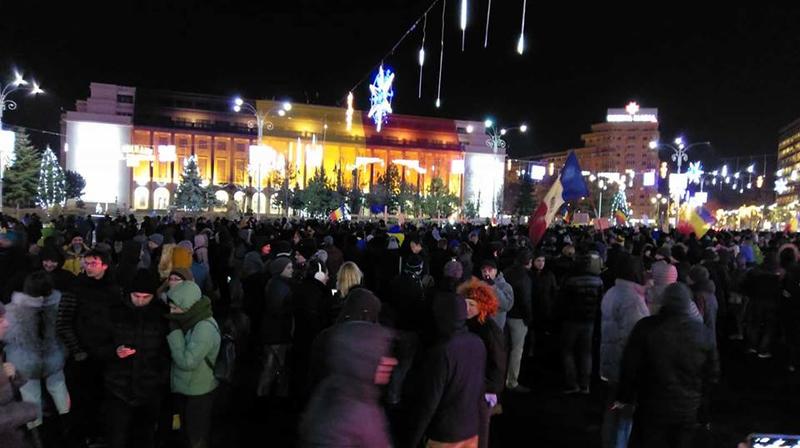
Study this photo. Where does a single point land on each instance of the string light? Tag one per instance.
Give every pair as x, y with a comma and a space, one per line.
463, 22
421, 56
441, 58
521, 41
486, 36
349, 114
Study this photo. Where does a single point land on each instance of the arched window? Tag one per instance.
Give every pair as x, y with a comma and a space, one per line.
141, 198
161, 198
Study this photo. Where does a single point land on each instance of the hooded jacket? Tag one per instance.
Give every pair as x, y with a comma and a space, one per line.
450, 382
519, 277
32, 344
505, 298
14, 414
669, 359
622, 306
345, 409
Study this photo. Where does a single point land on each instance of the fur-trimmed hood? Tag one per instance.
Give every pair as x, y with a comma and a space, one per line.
31, 342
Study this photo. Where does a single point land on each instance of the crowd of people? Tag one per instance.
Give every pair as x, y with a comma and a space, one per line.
119, 332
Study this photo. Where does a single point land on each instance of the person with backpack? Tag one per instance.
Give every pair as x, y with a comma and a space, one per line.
194, 342
136, 358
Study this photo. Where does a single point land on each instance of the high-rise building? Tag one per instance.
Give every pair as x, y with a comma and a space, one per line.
787, 185
131, 144
619, 147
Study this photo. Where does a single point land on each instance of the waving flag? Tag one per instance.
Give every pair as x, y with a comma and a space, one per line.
621, 218
338, 214
698, 221
791, 226
568, 186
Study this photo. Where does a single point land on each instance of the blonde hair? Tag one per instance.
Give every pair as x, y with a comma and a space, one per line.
349, 275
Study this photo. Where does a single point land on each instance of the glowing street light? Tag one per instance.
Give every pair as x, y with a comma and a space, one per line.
488, 123
470, 129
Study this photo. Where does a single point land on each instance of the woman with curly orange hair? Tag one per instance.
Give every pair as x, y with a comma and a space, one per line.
482, 303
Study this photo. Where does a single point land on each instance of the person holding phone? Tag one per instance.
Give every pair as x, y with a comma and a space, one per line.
137, 364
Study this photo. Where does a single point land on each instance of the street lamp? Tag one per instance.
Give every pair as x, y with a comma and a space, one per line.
495, 142
19, 84
679, 156
261, 121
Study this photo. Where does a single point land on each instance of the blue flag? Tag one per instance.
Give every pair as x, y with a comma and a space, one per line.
572, 180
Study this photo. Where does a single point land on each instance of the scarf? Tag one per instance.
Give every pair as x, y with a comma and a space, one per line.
199, 311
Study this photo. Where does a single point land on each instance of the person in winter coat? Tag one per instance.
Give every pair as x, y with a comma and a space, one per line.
448, 392
764, 286
194, 341
335, 256
622, 306
482, 304
520, 315
75, 251
503, 291
311, 302
128, 263
545, 291
668, 362
136, 357
345, 409
275, 329
579, 301
14, 414
32, 345
52, 262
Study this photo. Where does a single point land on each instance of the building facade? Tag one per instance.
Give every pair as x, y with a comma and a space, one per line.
788, 163
618, 147
131, 145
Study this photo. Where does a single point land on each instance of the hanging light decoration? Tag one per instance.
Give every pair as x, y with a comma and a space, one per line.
486, 36
441, 58
421, 56
349, 114
521, 41
464, 8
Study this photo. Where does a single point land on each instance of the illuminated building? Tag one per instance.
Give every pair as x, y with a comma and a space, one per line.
130, 145
788, 163
619, 145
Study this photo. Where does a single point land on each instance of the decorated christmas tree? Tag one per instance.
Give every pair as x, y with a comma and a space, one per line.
619, 204
192, 195
20, 181
52, 185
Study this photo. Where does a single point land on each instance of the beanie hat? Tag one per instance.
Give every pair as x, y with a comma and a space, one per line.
489, 263
282, 248
51, 253
157, 238
453, 269
664, 274
277, 266
676, 298
185, 294
186, 244
183, 273
181, 257
307, 247
143, 282
698, 274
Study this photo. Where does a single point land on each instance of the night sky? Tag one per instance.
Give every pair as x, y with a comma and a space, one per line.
726, 74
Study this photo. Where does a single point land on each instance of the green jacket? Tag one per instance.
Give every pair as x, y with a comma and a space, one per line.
191, 374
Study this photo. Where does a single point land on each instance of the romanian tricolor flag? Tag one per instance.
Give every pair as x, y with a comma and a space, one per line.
792, 225
619, 215
698, 220
569, 185
338, 214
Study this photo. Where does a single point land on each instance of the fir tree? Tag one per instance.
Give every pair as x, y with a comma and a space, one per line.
192, 195
21, 180
52, 189
439, 202
75, 183
525, 203
319, 197
620, 202
470, 210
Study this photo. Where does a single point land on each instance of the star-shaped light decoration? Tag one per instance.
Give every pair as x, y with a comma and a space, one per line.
632, 108
694, 172
381, 94
781, 186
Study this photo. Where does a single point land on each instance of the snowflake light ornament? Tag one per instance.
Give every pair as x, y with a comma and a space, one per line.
694, 172
781, 186
381, 94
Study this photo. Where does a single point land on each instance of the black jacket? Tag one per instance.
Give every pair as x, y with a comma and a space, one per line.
449, 385
139, 377
545, 288
519, 278
406, 303
669, 359
579, 298
276, 320
92, 323
496, 353
311, 300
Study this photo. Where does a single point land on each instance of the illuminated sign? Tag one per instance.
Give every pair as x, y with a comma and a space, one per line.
95, 150
649, 178
677, 184
632, 113
166, 153
538, 172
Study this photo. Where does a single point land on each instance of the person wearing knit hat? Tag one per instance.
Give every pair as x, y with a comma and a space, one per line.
278, 267
155, 240
697, 274
669, 361
194, 336
306, 249
186, 244
664, 274
705, 299
282, 248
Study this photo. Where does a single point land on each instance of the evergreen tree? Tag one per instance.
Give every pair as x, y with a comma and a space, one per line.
21, 180
439, 202
470, 210
387, 191
52, 188
525, 203
319, 197
192, 195
75, 183
620, 202
283, 196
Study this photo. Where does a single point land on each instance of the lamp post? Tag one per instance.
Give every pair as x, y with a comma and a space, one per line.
19, 83
261, 121
679, 150
496, 142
